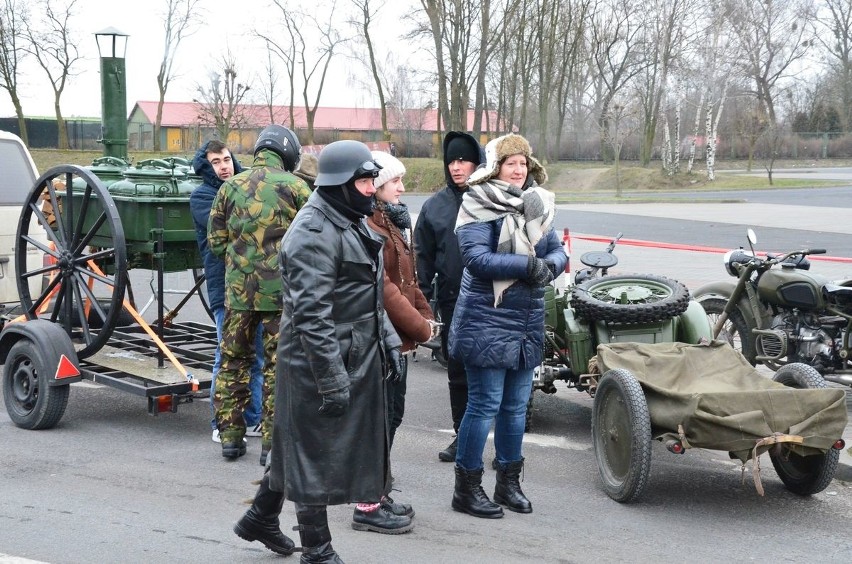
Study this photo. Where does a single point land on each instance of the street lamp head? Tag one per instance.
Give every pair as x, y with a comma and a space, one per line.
111, 43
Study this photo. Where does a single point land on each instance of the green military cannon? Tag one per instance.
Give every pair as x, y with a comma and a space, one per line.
117, 217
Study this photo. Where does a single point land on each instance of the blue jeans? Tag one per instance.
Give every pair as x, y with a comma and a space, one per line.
494, 393
253, 414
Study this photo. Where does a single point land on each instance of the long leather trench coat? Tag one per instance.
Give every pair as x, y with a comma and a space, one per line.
334, 333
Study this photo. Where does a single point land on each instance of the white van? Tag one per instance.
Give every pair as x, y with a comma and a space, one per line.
17, 176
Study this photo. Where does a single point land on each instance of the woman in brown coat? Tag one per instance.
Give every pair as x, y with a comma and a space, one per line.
406, 306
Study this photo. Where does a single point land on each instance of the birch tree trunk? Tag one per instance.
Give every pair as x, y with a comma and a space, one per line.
692, 145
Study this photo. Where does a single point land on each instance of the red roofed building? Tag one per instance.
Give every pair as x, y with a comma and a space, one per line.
184, 127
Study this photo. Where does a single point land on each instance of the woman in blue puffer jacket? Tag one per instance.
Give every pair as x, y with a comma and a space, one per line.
510, 253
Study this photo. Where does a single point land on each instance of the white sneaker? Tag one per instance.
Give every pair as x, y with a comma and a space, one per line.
254, 431
216, 438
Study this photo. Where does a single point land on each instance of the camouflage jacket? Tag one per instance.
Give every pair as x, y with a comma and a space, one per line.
251, 213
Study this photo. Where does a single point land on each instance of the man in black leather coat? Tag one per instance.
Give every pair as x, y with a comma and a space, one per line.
336, 346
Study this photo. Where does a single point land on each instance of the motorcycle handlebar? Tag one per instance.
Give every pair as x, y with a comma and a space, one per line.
816, 252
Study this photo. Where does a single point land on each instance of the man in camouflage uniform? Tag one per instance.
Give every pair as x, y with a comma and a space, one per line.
250, 215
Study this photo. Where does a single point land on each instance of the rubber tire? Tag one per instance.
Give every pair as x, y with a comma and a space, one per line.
737, 322
590, 307
803, 475
621, 435
30, 401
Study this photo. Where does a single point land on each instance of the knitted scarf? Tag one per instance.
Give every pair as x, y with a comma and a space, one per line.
527, 217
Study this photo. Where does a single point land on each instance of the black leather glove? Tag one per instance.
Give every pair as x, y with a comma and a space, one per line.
397, 365
335, 404
539, 271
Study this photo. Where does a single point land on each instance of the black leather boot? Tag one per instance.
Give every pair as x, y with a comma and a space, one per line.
449, 453
469, 497
316, 538
260, 522
381, 520
508, 492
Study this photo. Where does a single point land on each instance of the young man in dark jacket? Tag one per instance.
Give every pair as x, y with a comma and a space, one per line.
215, 164
438, 254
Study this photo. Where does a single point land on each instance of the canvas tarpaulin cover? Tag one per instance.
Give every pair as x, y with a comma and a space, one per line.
719, 401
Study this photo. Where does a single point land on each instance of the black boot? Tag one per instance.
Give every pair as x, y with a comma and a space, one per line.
397, 508
508, 489
264, 453
449, 453
316, 538
469, 497
260, 522
381, 520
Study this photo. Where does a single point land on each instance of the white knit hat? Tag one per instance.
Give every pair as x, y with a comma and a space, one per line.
391, 167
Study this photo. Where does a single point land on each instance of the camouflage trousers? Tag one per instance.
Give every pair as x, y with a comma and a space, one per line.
232, 394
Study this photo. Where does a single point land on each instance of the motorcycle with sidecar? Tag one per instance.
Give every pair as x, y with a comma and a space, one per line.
633, 342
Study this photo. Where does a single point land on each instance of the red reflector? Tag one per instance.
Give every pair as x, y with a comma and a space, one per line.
164, 403
65, 369
839, 444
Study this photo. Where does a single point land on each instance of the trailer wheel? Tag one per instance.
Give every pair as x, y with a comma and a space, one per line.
85, 259
621, 435
803, 475
32, 403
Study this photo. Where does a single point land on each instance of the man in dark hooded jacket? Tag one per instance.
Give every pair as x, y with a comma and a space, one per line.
438, 254
215, 164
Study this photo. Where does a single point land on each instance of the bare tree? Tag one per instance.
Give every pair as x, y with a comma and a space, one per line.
313, 60
50, 41
772, 36
285, 50
270, 84
12, 25
837, 21
622, 120
179, 21
571, 35
662, 43
220, 100
616, 33
366, 13
454, 26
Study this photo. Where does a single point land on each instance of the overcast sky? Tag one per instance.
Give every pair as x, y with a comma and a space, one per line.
227, 23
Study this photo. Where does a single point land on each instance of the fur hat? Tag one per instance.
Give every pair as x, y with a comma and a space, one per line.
496, 152
391, 167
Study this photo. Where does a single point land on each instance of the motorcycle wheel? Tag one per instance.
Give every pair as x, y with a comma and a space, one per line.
621, 435
803, 475
736, 331
630, 298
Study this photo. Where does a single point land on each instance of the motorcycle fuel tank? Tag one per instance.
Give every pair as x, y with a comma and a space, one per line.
791, 287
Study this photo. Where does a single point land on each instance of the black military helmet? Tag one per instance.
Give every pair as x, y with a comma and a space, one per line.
342, 161
282, 141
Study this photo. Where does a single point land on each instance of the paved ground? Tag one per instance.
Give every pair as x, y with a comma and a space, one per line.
695, 268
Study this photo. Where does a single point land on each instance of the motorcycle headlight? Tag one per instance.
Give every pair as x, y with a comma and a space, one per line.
736, 256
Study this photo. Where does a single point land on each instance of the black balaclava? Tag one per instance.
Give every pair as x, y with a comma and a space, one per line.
348, 200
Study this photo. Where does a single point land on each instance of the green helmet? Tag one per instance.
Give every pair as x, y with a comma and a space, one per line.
342, 161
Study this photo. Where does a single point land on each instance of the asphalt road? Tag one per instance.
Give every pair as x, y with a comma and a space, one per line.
112, 484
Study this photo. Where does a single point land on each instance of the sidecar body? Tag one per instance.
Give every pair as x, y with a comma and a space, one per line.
708, 396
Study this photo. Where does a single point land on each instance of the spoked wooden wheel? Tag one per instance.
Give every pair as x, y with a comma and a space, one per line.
83, 274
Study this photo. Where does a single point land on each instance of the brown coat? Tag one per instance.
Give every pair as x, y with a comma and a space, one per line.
406, 305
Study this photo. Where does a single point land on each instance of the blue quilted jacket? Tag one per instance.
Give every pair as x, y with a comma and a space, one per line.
510, 335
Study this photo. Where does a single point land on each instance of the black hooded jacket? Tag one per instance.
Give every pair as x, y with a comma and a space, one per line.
435, 239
